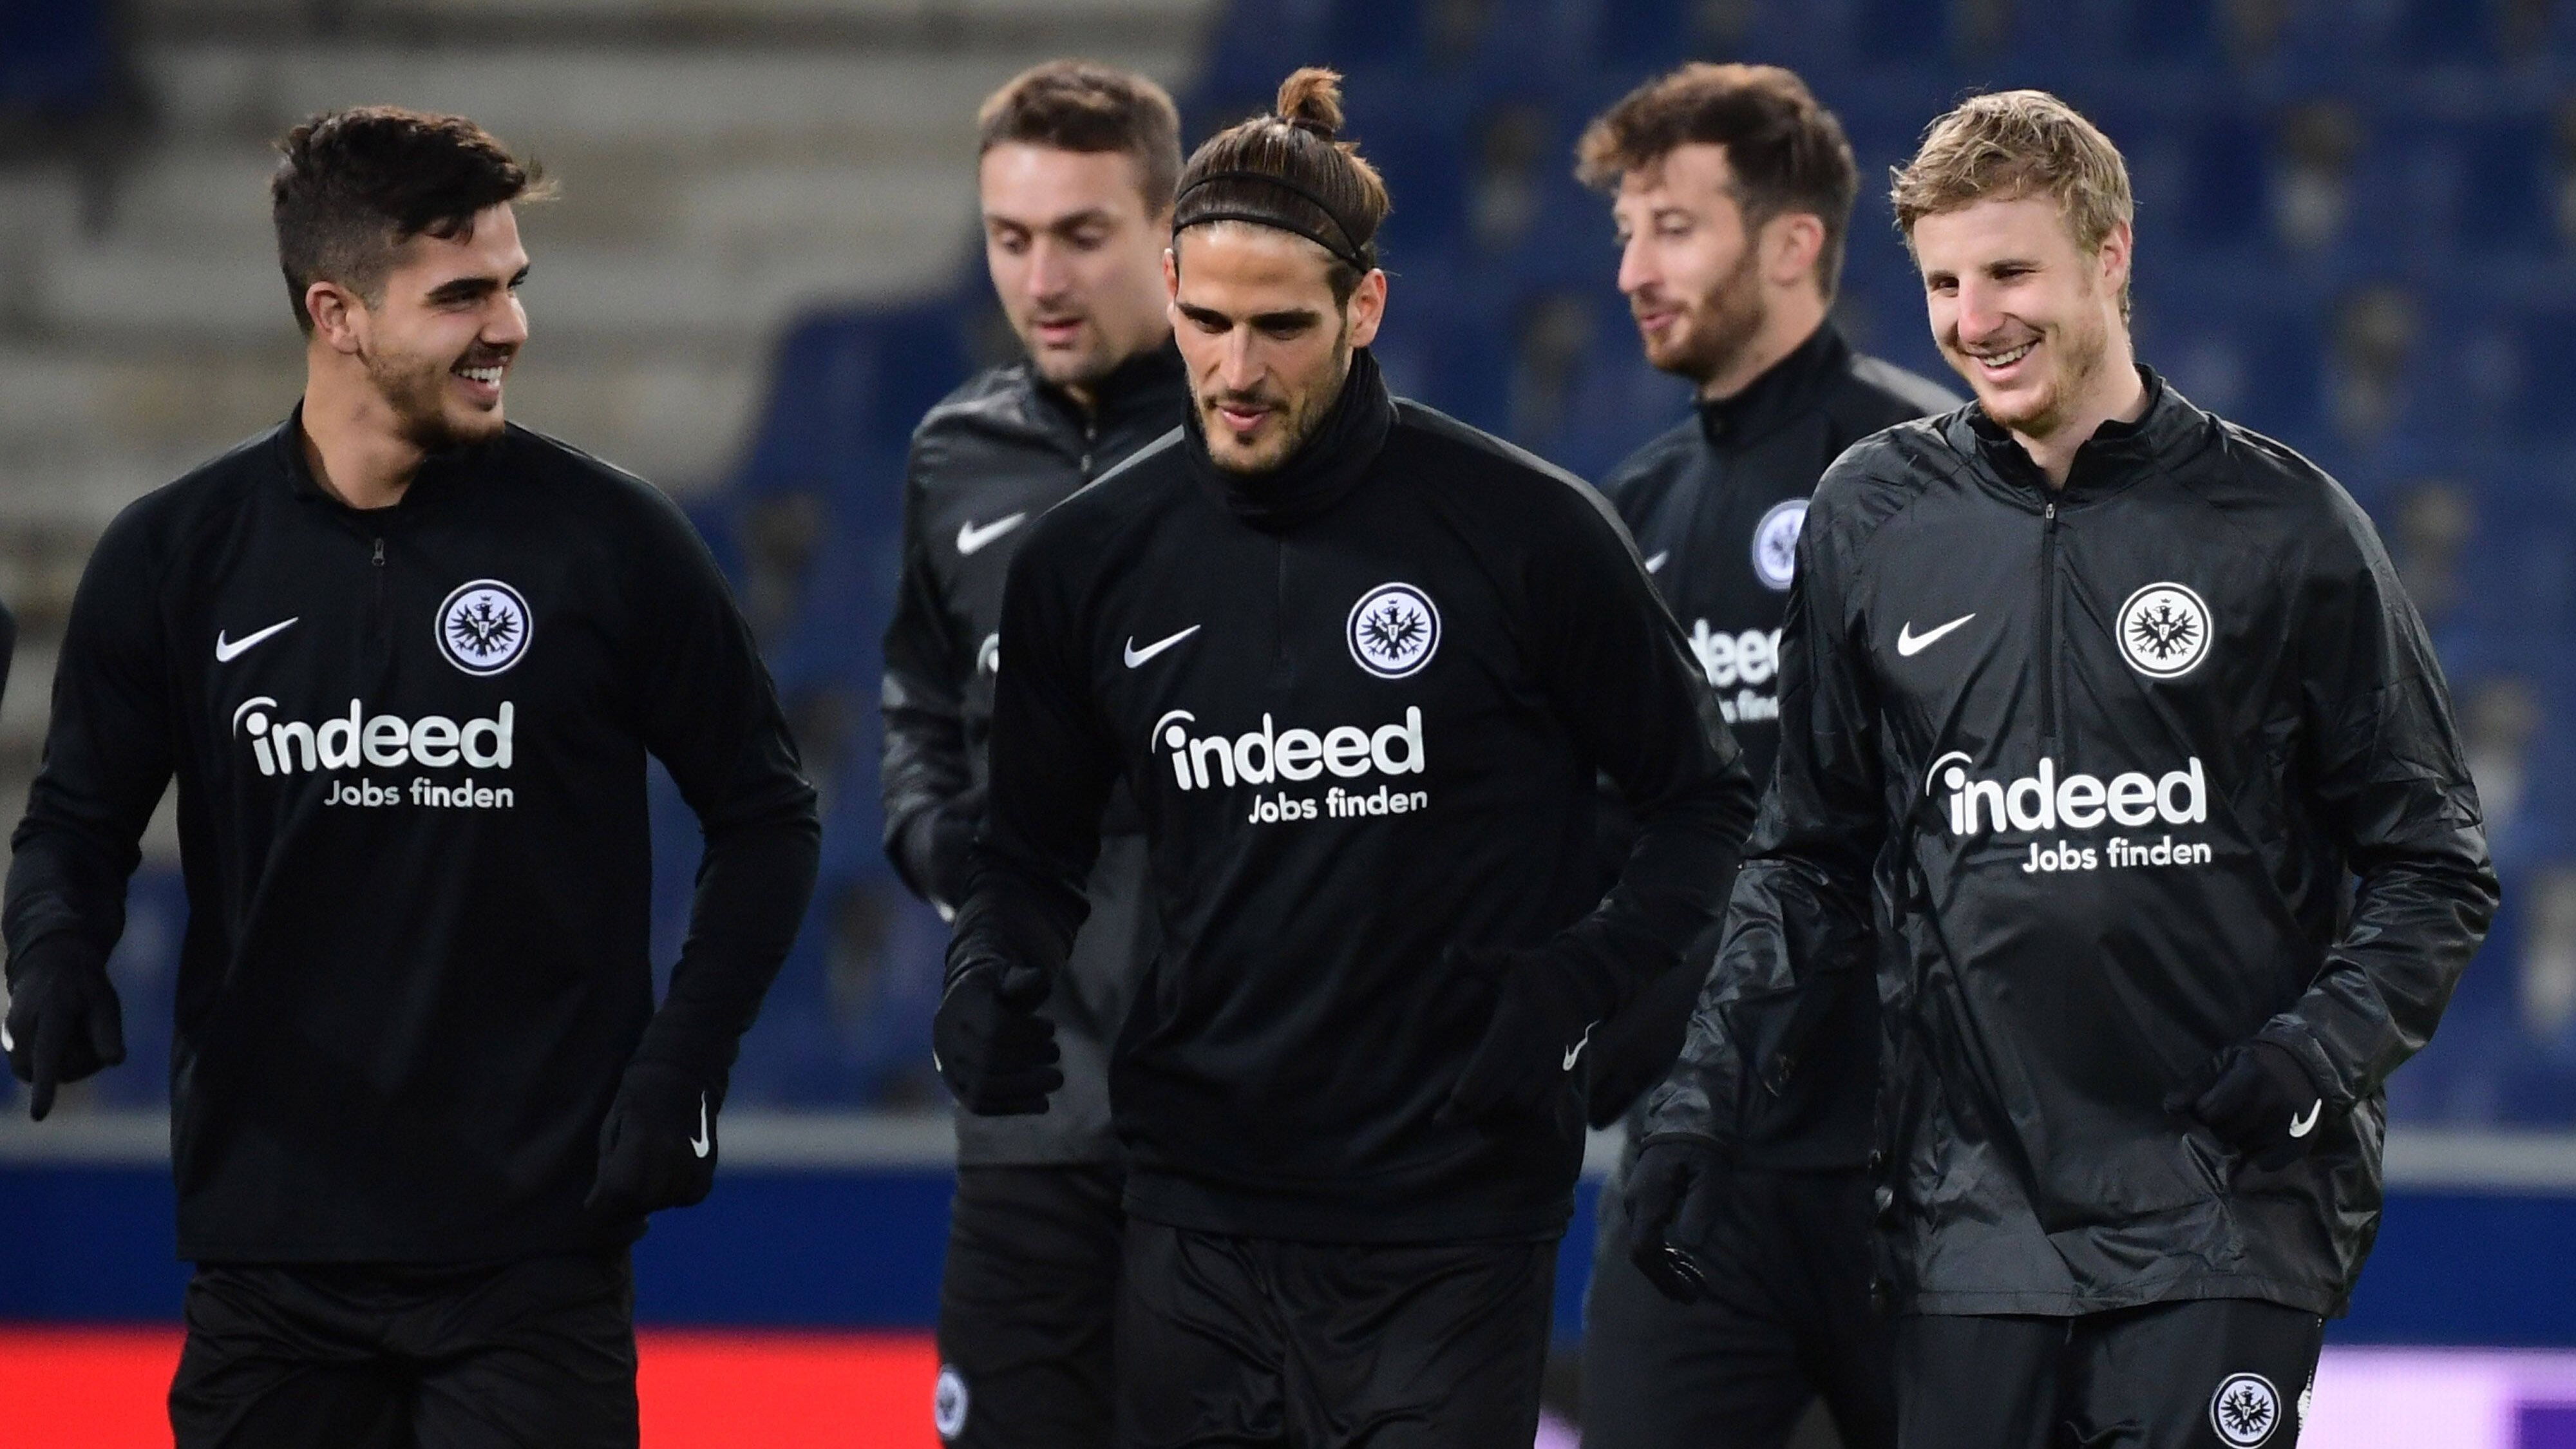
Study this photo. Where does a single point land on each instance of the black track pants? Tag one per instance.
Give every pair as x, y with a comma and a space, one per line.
1026, 1308
1227, 1341
537, 1354
2222, 1373
1788, 1319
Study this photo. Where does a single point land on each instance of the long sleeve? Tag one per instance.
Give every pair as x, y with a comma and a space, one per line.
1051, 768
2393, 793
108, 757
924, 768
711, 715
1801, 914
1628, 686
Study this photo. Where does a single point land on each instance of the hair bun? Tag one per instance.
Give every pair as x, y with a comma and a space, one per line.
1311, 100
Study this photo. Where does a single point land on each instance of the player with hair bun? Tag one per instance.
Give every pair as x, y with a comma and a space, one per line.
1361, 667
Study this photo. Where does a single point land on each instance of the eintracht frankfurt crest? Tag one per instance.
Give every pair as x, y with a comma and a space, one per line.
1393, 630
2164, 631
483, 627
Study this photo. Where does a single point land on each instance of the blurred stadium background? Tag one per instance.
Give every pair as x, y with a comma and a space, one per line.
2357, 232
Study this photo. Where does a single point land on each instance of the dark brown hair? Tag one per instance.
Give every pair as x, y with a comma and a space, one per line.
352, 186
1082, 105
1288, 170
1787, 152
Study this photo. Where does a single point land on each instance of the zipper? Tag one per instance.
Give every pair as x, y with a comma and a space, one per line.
2049, 594
1090, 436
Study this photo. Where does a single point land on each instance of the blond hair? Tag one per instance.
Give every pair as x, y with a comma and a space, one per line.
2013, 144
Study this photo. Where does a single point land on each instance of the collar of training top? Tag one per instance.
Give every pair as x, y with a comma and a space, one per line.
1784, 392
1150, 384
286, 446
1319, 474
2111, 459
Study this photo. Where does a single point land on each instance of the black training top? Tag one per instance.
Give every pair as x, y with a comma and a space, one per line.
410, 747
1716, 504
2100, 781
985, 463
1362, 702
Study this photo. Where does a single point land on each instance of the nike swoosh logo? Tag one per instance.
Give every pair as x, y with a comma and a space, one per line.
1909, 643
971, 539
2301, 1126
1656, 564
1136, 656
228, 650
1576, 1054
701, 1144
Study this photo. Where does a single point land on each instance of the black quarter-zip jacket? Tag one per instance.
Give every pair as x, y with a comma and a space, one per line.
1362, 703
2122, 775
410, 750
1716, 505
985, 464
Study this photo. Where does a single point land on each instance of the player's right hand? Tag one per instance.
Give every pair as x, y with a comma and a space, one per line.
64, 1021
997, 1054
1676, 1193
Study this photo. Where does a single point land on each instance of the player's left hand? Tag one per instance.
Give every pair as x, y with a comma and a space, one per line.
64, 1022
1676, 1192
1534, 1041
657, 1148
2259, 1100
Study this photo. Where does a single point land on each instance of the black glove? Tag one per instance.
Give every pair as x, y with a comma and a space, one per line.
64, 1022
2259, 1100
657, 1146
1543, 1018
1676, 1191
997, 1054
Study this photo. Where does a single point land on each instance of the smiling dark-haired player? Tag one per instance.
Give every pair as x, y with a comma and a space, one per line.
405, 662
1361, 667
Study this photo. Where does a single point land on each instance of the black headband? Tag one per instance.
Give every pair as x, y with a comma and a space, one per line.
1351, 251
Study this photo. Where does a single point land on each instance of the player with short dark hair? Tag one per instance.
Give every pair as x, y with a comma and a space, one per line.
1360, 667
2112, 747
405, 662
1732, 191
1075, 177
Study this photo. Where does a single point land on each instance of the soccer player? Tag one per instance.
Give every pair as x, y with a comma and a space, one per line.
1733, 195
1076, 170
1360, 666
2111, 718
405, 661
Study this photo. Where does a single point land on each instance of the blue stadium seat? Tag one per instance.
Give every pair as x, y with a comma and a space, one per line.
55, 56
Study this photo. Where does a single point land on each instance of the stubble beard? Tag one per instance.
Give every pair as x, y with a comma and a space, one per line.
1724, 323
414, 391
1299, 421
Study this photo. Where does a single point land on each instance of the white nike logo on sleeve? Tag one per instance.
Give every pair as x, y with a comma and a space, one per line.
1909, 643
1576, 1053
702, 1144
1656, 564
971, 539
228, 650
2302, 1125
1136, 656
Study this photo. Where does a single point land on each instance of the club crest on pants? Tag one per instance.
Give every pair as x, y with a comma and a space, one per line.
948, 1403
2245, 1410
